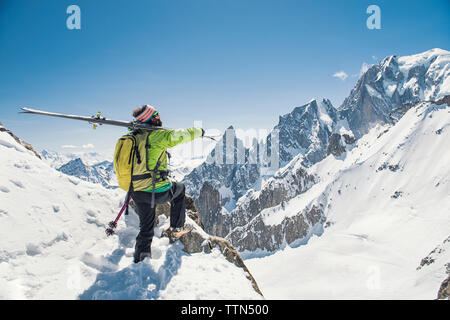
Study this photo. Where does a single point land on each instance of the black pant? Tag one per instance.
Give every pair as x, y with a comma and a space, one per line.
176, 196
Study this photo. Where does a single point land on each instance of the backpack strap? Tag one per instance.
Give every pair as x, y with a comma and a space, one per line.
155, 171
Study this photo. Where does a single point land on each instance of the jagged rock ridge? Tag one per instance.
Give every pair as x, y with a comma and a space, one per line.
311, 132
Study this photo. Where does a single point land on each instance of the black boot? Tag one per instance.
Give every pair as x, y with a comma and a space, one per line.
138, 257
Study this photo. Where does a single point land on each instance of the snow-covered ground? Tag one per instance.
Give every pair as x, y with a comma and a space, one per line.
387, 205
54, 246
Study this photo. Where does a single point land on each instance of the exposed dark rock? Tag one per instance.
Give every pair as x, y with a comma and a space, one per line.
391, 167
433, 255
209, 205
397, 194
334, 146
444, 290
282, 187
257, 235
444, 100
20, 141
349, 139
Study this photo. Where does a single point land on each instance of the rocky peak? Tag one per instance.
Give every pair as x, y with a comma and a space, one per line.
20, 141
393, 82
316, 129
74, 167
209, 205
306, 130
226, 168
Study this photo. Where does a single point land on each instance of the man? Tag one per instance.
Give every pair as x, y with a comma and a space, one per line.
164, 190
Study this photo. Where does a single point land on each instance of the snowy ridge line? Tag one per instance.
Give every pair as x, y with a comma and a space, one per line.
54, 244
279, 215
379, 224
381, 96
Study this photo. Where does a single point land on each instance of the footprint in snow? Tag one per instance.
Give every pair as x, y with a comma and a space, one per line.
73, 181
156, 253
33, 249
9, 145
17, 183
22, 166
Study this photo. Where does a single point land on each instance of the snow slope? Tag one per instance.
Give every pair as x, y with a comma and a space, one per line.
387, 206
53, 244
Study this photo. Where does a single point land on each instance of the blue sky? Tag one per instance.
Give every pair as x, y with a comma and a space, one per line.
222, 62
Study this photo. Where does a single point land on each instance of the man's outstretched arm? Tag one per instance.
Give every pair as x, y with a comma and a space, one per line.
172, 138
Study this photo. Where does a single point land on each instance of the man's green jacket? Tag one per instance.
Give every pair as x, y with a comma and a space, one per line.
161, 140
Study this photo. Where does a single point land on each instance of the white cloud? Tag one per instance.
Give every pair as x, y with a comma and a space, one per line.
84, 146
341, 75
364, 67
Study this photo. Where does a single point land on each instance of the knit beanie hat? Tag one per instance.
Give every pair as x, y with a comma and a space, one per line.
147, 114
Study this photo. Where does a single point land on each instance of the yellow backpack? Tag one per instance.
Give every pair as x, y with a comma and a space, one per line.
130, 162
131, 165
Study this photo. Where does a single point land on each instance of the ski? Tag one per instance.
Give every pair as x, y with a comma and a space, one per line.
95, 120
99, 120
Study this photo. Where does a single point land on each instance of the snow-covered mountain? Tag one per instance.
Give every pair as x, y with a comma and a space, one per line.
311, 132
102, 173
88, 166
57, 159
54, 244
384, 218
227, 168
305, 130
393, 82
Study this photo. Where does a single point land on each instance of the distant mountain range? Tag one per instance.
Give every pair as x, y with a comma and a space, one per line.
57, 159
97, 168
88, 166
313, 131
102, 173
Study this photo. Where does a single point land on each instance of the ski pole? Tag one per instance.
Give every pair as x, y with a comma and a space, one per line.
209, 137
113, 224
